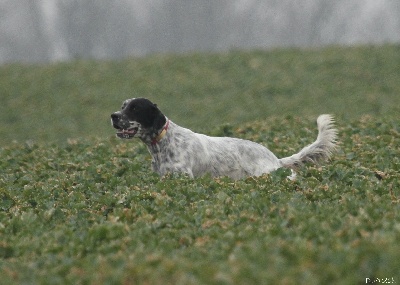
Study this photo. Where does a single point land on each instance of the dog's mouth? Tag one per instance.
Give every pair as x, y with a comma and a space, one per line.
127, 133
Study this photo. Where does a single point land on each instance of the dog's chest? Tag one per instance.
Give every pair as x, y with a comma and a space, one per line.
174, 149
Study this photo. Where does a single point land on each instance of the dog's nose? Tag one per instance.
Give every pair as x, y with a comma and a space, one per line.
115, 117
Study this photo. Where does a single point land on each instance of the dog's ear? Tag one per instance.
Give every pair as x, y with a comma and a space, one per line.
158, 118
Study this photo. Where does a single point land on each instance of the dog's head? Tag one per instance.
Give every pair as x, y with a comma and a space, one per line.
138, 117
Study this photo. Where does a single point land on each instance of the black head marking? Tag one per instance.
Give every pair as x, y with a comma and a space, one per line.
144, 112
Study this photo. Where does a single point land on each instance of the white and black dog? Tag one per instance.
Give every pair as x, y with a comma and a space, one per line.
177, 149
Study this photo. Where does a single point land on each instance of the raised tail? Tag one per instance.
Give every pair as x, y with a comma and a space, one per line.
319, 150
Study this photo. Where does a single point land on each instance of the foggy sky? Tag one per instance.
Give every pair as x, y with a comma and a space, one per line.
57, 30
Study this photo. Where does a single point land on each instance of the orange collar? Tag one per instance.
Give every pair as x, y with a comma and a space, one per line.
161, 135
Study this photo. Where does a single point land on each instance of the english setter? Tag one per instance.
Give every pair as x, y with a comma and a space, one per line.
177, 149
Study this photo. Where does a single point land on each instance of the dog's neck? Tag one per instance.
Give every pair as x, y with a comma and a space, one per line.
162, 134
152, 138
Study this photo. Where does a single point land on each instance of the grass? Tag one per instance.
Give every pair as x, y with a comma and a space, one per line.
88, 210
73, 100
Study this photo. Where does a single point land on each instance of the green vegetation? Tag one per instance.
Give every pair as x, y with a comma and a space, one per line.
73, 100
88, 210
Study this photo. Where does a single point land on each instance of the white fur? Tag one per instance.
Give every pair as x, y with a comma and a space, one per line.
319, 150
182, 150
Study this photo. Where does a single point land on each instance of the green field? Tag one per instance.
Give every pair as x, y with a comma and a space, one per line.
78, 206
200, 91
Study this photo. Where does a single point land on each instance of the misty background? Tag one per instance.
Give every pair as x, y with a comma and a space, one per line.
59, 30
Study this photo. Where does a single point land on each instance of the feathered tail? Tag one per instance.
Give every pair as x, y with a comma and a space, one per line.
319, 150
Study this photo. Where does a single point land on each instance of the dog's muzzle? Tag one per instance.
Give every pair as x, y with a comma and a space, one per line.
124, 129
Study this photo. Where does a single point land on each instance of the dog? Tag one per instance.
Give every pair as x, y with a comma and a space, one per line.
175, 149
